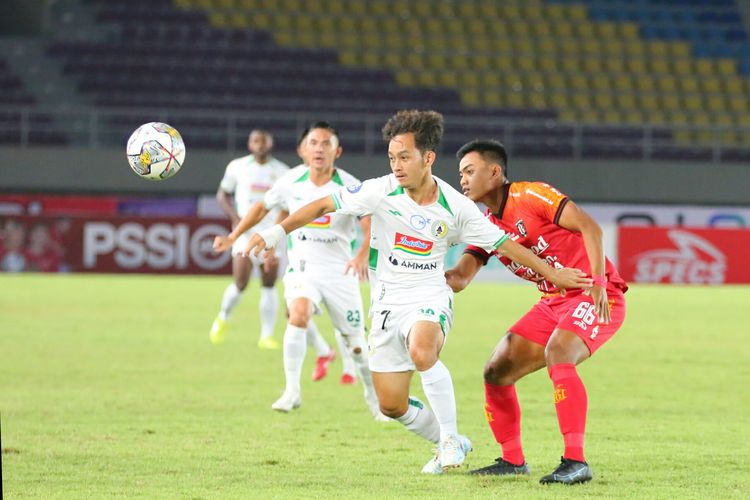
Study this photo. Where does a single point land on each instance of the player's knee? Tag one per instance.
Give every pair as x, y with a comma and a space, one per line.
392, 410
423, 359
497, 372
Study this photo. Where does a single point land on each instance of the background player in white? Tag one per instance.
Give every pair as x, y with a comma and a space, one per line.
245, 182
320, 261
416, 217
324, 354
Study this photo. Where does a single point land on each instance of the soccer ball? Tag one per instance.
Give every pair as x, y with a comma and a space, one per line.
155, 151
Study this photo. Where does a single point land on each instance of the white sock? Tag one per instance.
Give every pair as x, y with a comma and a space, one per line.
269, 308
294, 354
420, 420
356, 342
346, 355
438, 387
316, 340
229, 301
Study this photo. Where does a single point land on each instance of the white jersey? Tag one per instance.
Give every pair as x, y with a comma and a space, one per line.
410, 241
247, 181
324, 245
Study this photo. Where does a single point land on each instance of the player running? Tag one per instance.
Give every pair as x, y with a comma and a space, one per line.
320, 261
246, 181
561, 330
416, 217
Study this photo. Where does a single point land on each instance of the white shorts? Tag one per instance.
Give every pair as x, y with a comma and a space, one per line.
391, 325
340, 294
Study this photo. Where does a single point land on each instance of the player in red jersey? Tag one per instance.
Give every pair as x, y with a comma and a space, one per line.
562, 329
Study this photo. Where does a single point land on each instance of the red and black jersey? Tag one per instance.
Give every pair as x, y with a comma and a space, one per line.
530, 213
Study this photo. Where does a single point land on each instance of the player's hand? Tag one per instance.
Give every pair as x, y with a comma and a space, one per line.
358, 265
569, 277
256, 245
222, 243
601, 303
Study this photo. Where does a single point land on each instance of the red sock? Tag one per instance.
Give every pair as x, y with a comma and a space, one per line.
504, 416
570, 404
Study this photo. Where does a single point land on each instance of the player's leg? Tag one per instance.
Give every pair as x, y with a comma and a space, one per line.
513, 358
425, 340
392, 368
348, 375
577, 336
241, 269
269, 303
344, 304
392, 389
295, 347
519, 353
324, 354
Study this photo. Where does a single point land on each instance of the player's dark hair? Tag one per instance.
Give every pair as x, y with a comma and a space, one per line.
261, 131
319, 124
427, 127
490, 150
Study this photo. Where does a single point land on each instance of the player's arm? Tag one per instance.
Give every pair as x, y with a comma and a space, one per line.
562, 278
573, 218
463, 272
360, 262
226, 202
251, 218
270, 237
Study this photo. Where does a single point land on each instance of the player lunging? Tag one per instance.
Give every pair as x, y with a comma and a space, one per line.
561, 330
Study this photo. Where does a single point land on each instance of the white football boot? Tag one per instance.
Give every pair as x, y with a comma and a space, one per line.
453, 451
287, 403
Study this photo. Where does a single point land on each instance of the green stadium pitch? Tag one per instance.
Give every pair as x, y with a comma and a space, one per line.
109, 387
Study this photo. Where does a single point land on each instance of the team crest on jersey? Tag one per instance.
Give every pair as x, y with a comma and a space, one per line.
353, 188
521, 227
439, 229
321, 222
412, 245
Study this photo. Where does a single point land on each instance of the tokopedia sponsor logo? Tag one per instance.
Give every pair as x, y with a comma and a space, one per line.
694, 261
158, 246
412, 245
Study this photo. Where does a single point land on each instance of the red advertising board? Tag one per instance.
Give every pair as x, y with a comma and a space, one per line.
683, 255
173, 245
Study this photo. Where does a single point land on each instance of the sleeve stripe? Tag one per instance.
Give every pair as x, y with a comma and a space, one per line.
560, 207
336, 201
501, 240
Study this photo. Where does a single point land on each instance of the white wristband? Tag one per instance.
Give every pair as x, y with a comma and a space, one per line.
273, 235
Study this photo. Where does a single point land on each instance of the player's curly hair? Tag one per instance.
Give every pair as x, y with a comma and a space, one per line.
490, 149
427, 127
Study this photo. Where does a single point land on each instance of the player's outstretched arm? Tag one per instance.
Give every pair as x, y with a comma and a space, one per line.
463, 272
251, 218
360, 261
269, 238
562, 278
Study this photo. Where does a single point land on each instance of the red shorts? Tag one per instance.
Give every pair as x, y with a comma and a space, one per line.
575, 313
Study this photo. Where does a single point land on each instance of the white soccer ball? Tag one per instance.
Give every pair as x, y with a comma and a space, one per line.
155, 151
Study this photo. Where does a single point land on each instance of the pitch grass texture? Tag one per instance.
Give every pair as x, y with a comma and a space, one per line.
109, 388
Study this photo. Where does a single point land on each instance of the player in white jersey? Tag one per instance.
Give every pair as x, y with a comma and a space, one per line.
245, 182
323, 351
320, 261
415, 218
